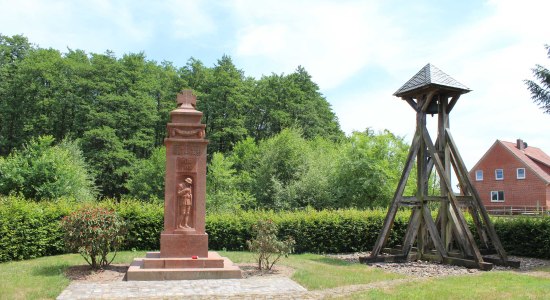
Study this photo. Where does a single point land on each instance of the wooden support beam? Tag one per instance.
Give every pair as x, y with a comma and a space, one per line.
452, 103
390, 216
453, 201
428, 100
432, 229
500, 262
412, 231
472, 264
443, 151
422, 177
477, 200
382, 258
465, 198
458, 233
393, 251
411, 103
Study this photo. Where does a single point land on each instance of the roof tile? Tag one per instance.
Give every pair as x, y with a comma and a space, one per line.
430, 75
528, 155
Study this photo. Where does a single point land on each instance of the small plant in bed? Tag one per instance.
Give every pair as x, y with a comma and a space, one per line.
93, 232
267, 245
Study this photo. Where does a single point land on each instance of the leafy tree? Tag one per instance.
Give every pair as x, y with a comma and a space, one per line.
12, 51
105, 153
280, 161
311, 110
294, 100
540, 87
223, 193
369, 169
315, 186
146, 177
42, 170
225, 106
244, 158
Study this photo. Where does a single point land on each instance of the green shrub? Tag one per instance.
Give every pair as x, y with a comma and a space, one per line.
94, 232
144, 223
42, 170
30, 229
146, 177
524, 236
266, 244
326, 231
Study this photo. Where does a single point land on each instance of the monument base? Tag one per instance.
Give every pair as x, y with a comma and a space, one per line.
154, 267
180, 244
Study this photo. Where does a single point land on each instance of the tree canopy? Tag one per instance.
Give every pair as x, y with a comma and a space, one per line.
540, 86
84, 124
118, 107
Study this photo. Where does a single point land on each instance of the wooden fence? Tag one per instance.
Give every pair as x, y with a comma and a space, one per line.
503, 210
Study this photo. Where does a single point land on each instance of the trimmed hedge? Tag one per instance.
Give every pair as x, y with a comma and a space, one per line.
29, 229
327, 231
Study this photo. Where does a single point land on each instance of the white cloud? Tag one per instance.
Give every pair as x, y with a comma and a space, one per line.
492, 56
332, 40
266, 40
91, 25
189, 18
98, 25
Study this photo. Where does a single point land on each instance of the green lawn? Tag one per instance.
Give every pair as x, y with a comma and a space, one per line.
486, 286
43, 278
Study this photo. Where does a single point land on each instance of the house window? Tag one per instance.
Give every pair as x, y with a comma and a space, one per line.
497, 196
499, 174
479, 175
521, 173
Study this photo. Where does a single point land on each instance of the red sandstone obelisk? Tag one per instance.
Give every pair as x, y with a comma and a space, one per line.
184, 243
185, 182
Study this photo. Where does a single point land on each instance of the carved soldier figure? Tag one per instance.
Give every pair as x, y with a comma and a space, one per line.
185, 201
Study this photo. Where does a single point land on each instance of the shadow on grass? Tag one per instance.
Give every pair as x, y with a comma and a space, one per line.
51, 270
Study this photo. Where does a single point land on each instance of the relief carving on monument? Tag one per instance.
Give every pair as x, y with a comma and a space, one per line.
198, 133
185, 203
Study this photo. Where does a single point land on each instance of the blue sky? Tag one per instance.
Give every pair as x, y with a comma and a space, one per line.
359, 52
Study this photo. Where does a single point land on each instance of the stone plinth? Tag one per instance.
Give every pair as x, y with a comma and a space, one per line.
183, 245
154, 267
184, 242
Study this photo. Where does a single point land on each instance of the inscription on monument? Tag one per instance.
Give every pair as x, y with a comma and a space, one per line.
187, 150
184, 164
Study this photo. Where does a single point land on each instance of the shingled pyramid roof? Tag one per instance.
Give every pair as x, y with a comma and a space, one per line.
431, 76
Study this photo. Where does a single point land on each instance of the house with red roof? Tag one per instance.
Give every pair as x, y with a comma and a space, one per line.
513, 177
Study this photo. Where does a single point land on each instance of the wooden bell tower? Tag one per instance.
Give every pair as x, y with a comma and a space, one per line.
447, 238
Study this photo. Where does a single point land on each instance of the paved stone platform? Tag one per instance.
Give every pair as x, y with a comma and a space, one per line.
251, 288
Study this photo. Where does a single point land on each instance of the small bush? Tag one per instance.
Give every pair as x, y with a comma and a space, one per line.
93, 232
266, 244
